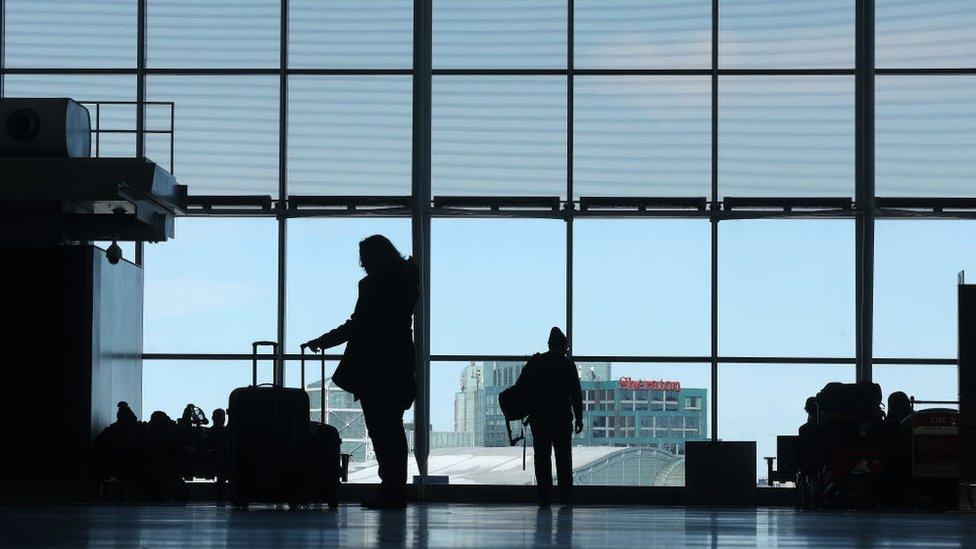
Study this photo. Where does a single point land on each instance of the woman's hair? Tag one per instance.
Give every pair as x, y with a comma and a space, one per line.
377, 253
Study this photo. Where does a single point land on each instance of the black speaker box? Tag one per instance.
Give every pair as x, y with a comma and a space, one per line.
720, 473
44, 127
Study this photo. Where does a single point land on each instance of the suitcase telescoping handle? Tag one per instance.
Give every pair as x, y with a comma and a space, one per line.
254, 358
322, 388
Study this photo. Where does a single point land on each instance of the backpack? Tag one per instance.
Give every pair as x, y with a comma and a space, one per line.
850, 399
515, 404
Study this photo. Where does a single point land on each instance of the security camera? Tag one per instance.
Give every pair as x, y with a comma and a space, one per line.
114, 253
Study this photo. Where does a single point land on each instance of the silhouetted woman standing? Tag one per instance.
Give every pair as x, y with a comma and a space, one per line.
378, 366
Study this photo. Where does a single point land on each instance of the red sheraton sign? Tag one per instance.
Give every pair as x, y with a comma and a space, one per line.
649, 384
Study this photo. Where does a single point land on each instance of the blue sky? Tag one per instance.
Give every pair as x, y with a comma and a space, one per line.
641, 286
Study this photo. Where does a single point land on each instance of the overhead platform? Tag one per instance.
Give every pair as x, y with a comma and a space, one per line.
57, 200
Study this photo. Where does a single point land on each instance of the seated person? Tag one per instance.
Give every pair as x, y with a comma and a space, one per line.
218, 443
897, 444
123, 448
899, 408
166, 441
810, 449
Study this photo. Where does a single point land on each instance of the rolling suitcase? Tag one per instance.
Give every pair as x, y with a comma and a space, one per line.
269, 441
327, 465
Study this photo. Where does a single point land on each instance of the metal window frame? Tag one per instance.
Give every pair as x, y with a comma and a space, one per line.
864, 206
866, 209
282, 191
713, 225
420, 221
3, 42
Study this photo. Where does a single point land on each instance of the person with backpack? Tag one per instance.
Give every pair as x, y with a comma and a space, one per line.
551, 381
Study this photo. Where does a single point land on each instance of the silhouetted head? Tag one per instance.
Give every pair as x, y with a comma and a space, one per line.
160, 418
557, 340
899, 406
219, 417
124, 414
811, 406
188, 412
377, 254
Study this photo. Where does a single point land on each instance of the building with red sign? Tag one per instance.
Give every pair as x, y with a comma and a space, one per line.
654, 416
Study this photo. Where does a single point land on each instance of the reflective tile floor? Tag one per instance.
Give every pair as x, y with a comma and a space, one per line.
443, 525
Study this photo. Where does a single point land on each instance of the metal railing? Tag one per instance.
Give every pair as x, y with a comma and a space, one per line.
97, 130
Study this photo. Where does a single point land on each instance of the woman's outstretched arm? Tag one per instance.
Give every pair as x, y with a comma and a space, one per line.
365, 303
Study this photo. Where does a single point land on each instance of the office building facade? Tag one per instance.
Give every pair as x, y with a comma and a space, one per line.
618, 412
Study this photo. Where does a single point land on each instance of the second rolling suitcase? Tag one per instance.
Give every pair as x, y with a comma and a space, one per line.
327, 465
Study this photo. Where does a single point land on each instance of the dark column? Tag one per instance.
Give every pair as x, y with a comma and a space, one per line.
713, 220
279, 370
864, 185
420, 223
70, 349
967, 383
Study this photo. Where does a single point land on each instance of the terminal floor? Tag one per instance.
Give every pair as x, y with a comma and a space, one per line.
456, 525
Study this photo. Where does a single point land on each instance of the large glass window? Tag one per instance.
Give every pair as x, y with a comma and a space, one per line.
917, 263
169, 385
212, 288
935, 33
762, 401
631, 117
786, 34
324, 271
498, 135
350, 33
227, 129
786, 288
497, 285
641, 287
923, 382
925, 132
216, 33
69, 34
349, 135
469, 443
641, 136
786, 136
654, 34
499, 34
620, 444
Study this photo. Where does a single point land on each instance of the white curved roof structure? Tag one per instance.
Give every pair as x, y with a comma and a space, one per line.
503, 465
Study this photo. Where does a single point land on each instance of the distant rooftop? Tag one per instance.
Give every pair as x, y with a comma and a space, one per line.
315, 384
